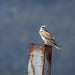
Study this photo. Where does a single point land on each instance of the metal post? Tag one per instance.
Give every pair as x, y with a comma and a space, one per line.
39, 59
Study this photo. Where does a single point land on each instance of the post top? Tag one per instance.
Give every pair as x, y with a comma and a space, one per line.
40, 44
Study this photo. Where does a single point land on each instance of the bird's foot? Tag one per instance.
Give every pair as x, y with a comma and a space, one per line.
46, 44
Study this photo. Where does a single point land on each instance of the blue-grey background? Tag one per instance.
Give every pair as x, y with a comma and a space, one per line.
20, 21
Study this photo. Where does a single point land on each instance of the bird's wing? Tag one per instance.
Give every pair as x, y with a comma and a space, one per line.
47, 35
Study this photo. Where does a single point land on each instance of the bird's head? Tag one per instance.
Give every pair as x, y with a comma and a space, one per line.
43, 27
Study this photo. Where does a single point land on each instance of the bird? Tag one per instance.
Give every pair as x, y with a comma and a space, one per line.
47, 37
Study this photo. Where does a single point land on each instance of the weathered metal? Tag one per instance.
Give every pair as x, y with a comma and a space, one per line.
47, 58
39, 59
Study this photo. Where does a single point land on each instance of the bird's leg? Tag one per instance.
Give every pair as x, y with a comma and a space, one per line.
46, 43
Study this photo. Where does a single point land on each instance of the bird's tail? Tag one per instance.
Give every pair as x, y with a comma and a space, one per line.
55, 44
58, 48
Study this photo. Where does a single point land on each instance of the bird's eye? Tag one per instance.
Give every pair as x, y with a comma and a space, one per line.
43, 27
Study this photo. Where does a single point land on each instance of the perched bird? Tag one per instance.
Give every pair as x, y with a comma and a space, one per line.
47, 37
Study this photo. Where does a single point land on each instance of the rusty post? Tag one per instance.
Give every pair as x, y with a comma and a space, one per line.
39, 59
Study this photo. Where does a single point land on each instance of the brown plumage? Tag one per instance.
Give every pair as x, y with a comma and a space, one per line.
47, 37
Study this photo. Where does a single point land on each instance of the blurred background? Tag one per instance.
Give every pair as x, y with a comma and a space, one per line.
20, 21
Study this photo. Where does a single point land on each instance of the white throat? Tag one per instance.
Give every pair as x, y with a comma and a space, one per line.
42, 29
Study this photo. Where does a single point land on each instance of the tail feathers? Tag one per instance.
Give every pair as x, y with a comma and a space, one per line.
55, 44
58, 48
